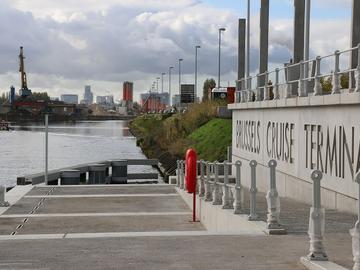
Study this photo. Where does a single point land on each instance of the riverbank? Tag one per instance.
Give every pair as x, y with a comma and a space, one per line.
167, 136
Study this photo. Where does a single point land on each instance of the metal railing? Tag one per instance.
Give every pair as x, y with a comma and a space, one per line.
299, 80
227, 191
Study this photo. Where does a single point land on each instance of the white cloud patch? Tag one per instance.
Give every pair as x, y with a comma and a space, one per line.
72, 43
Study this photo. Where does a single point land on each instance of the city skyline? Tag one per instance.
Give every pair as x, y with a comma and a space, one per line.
93, 52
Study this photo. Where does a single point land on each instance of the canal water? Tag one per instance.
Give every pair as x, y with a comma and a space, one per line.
22, 150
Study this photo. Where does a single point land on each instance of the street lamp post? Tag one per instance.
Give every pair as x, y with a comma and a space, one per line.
162, 82
307, 40
196, 67
170, 101
157, 84
180, 60
219, 68
247, 46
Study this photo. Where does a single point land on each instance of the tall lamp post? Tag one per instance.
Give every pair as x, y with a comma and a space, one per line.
180, 60
157, 84
162, 82
170, 101
247, 73
196, 67
307, 39
219, 68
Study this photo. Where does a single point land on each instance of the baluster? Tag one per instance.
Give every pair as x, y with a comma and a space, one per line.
266, 87
3, 203
336, 76
355, 232
238, 203
276, 87
258, 89
216, 190
302, 86
317, 222
288, 84
357, 73
226, 204
202, 179
317, 86
182, 175
273, 202
253, 192
178, 173
208, 191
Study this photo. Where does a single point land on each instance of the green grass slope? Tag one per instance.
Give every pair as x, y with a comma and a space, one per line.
212, 139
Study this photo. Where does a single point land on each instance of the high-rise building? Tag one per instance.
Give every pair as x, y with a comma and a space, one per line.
88, 95
128, 91
69, 98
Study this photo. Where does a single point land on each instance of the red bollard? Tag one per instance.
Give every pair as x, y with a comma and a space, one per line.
190, 177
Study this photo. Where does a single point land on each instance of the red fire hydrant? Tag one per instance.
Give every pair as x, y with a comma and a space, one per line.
190, 176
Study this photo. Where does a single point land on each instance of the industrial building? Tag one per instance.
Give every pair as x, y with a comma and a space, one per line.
70, 98
154, 101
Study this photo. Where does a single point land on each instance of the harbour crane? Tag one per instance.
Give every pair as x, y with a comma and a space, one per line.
24, 91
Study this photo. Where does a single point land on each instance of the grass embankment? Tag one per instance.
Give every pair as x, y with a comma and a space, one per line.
198, 128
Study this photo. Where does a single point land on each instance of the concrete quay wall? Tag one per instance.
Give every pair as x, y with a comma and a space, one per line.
302, 135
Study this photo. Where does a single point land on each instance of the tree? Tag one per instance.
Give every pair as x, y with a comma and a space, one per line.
344, 81
326, 84
40, 96
209, 84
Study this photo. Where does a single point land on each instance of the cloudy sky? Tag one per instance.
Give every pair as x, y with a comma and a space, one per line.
104, 42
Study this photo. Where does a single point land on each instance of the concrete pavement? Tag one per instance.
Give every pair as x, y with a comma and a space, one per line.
147, 227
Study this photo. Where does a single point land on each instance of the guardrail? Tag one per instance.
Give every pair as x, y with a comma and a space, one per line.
228, 191
300, 79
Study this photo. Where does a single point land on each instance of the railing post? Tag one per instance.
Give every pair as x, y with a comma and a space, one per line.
238, 203
302, 85
178, 173
208, 192
258, 89
336, 76
243, 96
288, 84
317, 85
357, 73
216, 190
250, 96
226, 204
202, 179
317, 222
266, 88
182, 175
253, 192
249, 92
276, 87
3, 203
355, 232
273, 201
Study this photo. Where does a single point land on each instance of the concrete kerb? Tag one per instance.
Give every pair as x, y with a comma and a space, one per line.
320, 265
216, 219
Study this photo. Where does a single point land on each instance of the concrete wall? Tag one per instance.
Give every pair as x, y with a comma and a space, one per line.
302, 134
216, 219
